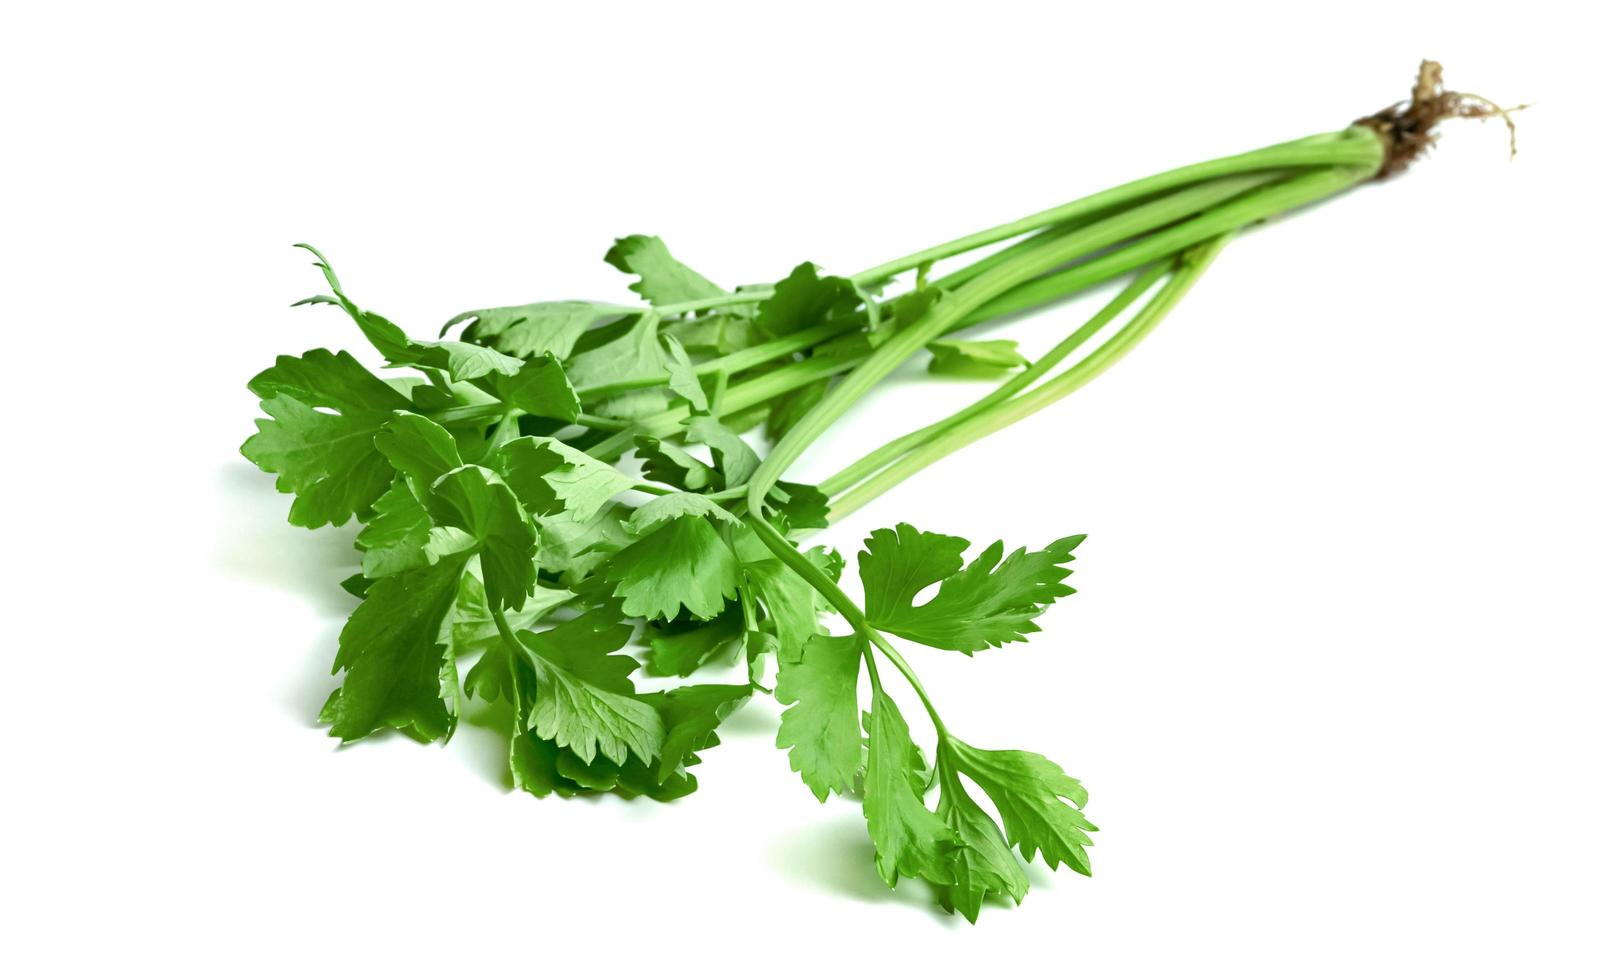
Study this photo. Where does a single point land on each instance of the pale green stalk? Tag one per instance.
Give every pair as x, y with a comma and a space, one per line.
970, 425
1258, 204
900, 446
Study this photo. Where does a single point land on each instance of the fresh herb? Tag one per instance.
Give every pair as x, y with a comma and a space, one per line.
568, 478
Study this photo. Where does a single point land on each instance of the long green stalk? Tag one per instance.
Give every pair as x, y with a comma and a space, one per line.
772, 350
900, 446
846, 607
1151, 231
1029, 273
1172, 234
1132, 237
959, 304
987, 417
1353, 147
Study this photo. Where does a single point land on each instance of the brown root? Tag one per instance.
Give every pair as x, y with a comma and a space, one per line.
1407, 128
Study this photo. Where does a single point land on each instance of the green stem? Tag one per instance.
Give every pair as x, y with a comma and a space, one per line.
719, 391
1355, 147
845, 606
1117, 230
955, 306
1004, 413
738, 361
798, 374
792, 376
735, 298
906, 670
1229, 215
896, 448
959, 309
1350, 147
601, 422
748, 394
960, 276
505, 632
772, 350
469, 413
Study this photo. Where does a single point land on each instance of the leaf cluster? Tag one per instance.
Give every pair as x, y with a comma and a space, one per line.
553, 522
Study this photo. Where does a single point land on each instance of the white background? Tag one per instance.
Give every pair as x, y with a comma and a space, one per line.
1337, 675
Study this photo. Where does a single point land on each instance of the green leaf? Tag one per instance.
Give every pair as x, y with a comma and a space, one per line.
418, 448
734, 457
791, 603
682, 377
539, 764
477, 501
1040, 806
324, 380
653, 513
534, 761
526, 464
474, 633
758, 645
637, 779
691, 715
905, 309
596, 775
395, 538
582, 483
683, 565
799, 506
663, 280
540, 388
745, 419
804, 299
568, 775
548, 477
717, 334
909, 838
328, 460
820, 725
783, 412
666, 463
394, 658
386, 336
984, 864
679, 649
571, 549
535, 329
400, 535
584, 700
975, 358
635, 354
534, 764
829, 562
984, 605
461, 361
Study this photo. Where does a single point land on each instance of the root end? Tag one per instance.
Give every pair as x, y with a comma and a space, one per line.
1407, 128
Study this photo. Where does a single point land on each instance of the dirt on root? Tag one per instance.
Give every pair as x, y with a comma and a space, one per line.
1407, 128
